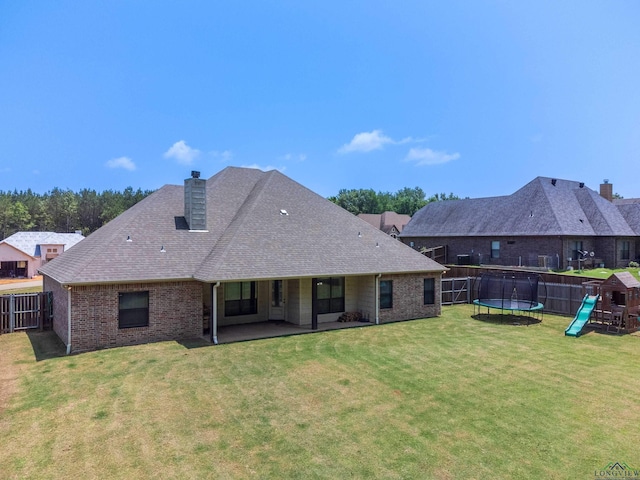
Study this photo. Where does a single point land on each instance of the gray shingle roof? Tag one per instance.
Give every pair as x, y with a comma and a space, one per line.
29, 242
631, 213
539, 208
386, 221
247, 238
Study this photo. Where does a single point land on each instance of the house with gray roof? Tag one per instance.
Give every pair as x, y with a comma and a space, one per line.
242, 247
23, 253
390, 223
549, 223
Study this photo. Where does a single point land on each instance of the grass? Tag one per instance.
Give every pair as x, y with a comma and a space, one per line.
450, 397
603, 273
14, 291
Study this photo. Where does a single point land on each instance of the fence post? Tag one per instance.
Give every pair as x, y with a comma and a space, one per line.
12, 314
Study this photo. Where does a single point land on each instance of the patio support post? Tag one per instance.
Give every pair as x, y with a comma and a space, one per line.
377, 299
214, 313
314, 304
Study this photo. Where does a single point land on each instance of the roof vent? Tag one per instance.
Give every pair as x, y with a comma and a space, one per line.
581, 184
195, 202
553, 182
283, 212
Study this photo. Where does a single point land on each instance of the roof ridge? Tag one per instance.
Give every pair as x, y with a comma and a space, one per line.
225, 241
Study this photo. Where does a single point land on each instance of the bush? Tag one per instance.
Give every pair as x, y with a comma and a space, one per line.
634, 265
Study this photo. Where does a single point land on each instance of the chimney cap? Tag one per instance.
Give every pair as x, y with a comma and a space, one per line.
606, 180
195, 174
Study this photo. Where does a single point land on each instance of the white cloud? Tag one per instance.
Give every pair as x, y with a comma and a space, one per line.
366, 142
182, 152
301, 157
122, 162
225, 155
266, 168
426, 156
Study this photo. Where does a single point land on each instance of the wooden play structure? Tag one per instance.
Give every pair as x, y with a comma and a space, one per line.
618, 305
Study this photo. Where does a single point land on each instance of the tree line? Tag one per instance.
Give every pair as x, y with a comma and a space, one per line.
87, 210
405, 201
63, 210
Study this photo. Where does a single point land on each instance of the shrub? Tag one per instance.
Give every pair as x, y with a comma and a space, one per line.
634, 265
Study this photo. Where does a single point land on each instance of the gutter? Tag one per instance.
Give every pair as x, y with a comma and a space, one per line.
68, 319
214, 313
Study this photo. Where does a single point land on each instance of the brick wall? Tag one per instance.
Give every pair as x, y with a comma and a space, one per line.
175, 313
516, 250
60, 303
408, 298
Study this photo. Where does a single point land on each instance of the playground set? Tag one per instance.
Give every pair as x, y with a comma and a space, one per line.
611, 304
511, 291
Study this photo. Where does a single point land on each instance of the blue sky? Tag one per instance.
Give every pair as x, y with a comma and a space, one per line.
475, 98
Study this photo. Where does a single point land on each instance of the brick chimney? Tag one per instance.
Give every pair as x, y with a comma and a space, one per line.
606, 190
195, 202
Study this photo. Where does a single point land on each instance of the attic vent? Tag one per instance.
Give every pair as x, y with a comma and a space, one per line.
283, 212
553, 182
581, 184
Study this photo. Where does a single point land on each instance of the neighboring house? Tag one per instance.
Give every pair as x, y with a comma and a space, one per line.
548, 223
23, 253
243, 246
390, 223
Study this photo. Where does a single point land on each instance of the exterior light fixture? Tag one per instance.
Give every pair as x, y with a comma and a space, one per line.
162, 249
359, 235
377, 245
129, 238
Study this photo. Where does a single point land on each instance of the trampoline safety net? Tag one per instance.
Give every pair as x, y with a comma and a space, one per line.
509, 290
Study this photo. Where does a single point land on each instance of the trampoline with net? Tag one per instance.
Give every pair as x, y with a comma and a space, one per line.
510, 291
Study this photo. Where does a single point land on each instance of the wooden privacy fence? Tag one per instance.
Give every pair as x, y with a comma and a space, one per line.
25, 311
559, 298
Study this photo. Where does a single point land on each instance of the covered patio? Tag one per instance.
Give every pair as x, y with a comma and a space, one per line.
277, 328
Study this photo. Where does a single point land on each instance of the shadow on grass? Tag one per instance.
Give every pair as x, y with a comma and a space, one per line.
506, 319
194, 343
46, 345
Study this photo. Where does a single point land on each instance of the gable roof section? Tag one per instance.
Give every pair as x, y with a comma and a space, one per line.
624, 278
386, 221
247, 238
29, 242
539, 208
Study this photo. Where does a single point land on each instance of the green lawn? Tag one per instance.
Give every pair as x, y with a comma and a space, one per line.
21, 290
603, 273
450, 397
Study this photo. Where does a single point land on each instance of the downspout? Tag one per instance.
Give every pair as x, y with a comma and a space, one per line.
377, 299
214, 313
68, 319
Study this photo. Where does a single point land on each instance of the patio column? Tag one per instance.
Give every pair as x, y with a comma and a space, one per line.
214, 313
376, 281
314, 304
